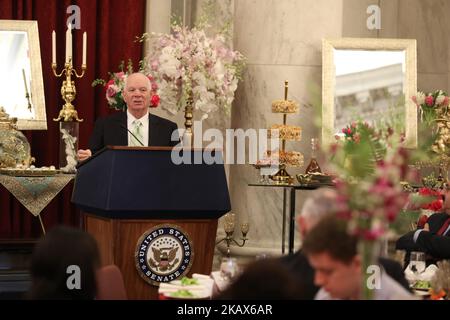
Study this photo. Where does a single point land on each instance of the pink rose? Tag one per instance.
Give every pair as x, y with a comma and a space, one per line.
429, 101
446, 101
111, 91
154, 86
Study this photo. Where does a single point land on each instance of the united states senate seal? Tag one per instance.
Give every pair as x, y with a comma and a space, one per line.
163, 253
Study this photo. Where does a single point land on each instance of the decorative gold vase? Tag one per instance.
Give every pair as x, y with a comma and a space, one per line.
14, 147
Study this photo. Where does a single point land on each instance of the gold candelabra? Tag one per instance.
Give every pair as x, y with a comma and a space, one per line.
229, 223
68, 91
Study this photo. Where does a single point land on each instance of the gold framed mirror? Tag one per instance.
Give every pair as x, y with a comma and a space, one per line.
21, 82
369, 79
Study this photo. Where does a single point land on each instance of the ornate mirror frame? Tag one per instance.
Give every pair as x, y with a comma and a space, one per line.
37, 84
329, 81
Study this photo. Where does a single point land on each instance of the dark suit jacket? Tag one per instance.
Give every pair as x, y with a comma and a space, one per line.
111, 130
299, 265
436, 246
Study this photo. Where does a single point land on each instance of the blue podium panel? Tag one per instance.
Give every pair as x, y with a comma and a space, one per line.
144, 182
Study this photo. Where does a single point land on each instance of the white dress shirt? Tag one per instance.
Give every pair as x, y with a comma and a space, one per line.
144, 128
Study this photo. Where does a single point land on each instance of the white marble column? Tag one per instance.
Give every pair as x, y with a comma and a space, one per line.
281, 40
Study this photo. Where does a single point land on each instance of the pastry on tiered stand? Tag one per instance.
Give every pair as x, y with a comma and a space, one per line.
284, 106
287, 158
285, 133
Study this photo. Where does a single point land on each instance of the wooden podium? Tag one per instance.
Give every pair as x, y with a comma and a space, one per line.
128, 192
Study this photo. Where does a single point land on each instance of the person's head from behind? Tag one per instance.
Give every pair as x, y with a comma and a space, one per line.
266, 279
320, 204
137, 94
332, 252
64, 265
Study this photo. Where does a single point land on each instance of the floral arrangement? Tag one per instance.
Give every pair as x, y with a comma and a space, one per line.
189, 64
115, 86
431, 105
361, 145
375, 201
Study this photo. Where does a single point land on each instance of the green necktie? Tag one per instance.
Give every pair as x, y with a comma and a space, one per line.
137, 131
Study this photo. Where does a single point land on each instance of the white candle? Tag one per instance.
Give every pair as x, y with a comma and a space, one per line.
53, 47
84, 47
68, 43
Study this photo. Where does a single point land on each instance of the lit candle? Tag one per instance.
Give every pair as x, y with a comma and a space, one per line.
84, 47
25, 81
69, 43
53, 47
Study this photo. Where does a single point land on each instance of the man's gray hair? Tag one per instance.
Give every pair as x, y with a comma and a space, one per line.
321, 203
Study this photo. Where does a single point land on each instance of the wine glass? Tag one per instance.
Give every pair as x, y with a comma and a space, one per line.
417, 262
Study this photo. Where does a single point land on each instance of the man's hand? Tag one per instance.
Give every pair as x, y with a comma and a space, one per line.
83, 154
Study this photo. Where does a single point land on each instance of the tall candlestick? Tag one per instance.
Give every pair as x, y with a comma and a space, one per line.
84, 47
54, 47
69, 43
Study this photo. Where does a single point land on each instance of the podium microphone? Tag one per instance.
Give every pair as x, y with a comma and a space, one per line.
122, 126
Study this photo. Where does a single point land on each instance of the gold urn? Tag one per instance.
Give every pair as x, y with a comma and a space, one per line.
15, 150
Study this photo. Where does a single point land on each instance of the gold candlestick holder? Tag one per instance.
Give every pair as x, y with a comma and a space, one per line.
68, 118
188, 115
229, 224
68, 91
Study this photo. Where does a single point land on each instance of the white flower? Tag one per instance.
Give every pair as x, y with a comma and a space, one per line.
420, 98
189, 60
440, 98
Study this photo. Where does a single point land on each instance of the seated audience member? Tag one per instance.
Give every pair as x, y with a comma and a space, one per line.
332, 252
433, 238
51, 273
320, 204
265, 279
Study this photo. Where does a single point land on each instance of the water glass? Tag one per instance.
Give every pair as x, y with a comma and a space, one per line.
228, 268
417, 262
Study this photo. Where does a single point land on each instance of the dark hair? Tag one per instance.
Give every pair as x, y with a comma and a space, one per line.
266, 279
59, 249
331, 235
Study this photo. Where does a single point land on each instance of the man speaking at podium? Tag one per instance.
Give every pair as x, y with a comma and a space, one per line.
136, 126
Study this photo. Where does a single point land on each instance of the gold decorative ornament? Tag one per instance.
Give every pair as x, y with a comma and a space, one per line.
229, 223
188, 115
15, 150
68, 91
291, 158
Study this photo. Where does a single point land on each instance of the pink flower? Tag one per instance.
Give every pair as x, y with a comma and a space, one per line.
154, 101
154, 65
120, 75
446, 101
109, 83
414, 98
111, 91
154, 86
429, 101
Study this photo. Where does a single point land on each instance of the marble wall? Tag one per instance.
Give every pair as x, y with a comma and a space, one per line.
282, 41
